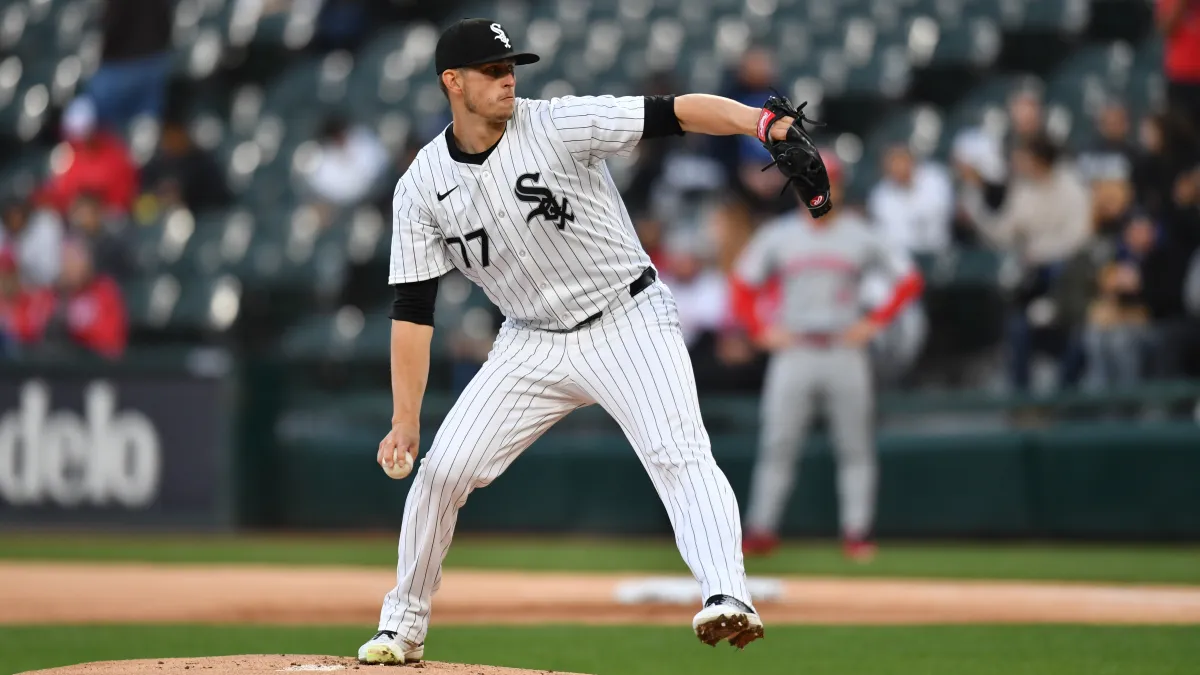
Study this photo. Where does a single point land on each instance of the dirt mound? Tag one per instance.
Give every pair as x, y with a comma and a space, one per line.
276, 663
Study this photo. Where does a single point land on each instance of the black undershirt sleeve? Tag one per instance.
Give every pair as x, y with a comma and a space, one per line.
414, 302
660, 119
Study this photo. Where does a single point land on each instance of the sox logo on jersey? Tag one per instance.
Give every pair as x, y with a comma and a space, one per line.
527, 190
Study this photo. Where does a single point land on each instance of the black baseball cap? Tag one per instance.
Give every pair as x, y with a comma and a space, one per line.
472, 42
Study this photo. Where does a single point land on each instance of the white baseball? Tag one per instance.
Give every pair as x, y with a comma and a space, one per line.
401, 466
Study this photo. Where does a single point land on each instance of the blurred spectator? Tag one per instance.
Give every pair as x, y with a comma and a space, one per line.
10, 288
1179, 21
1167, 276
92, 310
730, 227
1153, 167
1111, 154
93, 160
85, 311
1117, 318
1163, 257
342, 24
743, 157
1191, 287
182, 174
896, 349
351, 162
913, 205
1044, 222
1026, 117
135, 62
700, 290
109, 236
728, 360
1112, 203
979, 158
33, 238
673, 178
1045, 217
689, 185
1183, 215
978, 163
401, 156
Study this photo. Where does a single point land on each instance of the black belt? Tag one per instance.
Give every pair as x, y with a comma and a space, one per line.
648, 276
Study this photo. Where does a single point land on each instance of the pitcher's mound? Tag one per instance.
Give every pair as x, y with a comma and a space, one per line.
271, 664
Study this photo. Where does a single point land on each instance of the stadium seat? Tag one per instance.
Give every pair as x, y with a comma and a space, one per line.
21, 174
184, 306
920, 128
208, 304
221, 242
886, 75
161, 244
1067, 17
977, 44
324, 336
1009, 14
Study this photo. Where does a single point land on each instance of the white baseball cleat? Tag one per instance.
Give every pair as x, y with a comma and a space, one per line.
727, 618
386, 649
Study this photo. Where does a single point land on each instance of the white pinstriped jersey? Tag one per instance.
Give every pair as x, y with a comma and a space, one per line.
539, 225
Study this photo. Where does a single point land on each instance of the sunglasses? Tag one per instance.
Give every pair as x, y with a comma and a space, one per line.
496, 70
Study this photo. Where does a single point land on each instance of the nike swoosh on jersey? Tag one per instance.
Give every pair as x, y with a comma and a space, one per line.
447, 194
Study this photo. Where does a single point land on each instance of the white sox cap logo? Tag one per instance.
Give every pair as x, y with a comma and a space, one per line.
501, 35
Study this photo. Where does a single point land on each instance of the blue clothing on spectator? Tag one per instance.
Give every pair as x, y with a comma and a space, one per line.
123, 90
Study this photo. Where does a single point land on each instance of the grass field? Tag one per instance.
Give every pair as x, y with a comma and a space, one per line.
1120, 564
950, 650
651, 650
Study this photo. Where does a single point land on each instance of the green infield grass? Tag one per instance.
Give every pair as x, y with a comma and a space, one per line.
937, 650
1099, 563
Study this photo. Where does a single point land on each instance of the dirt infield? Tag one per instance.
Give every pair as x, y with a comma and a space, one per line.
264, 665
50, 593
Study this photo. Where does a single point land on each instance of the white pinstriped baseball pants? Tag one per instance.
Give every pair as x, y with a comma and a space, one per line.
632, 362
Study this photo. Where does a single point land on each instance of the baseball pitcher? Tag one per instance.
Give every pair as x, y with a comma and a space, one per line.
517, 196
819, 356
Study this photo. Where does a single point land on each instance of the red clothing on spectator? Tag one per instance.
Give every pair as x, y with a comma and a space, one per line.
29, 312
1182, 49
95, 316
101, 165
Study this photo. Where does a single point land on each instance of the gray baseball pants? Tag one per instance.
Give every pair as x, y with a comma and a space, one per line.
798, 379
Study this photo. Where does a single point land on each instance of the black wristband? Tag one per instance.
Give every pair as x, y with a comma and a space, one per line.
660, 119
414, 302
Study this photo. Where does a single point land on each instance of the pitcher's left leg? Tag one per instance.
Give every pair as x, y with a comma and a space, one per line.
636, 367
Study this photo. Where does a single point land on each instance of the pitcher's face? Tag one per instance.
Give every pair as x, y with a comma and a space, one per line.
489, 90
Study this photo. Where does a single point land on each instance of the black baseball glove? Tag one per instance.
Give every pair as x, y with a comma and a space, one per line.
796, 156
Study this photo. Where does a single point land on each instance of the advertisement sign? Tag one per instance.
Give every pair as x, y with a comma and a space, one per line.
113, 449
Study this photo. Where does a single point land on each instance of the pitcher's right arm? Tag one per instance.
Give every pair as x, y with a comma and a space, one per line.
418, 260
